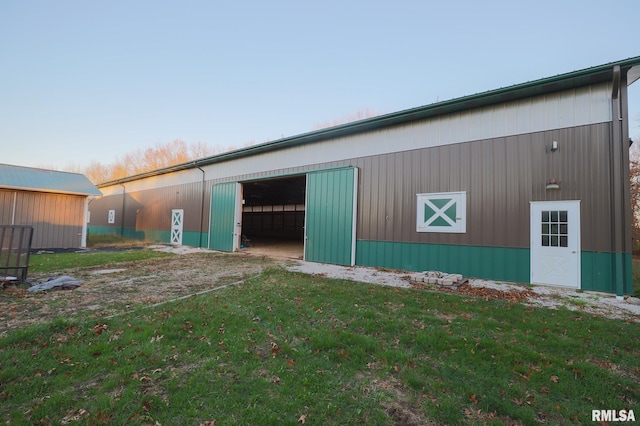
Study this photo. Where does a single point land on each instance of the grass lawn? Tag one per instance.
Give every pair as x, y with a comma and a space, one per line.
55, 262
288, 348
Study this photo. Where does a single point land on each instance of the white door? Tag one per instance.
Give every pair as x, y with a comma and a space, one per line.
555, 243
176, 226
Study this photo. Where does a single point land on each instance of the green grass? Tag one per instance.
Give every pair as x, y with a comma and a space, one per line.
58, 261
94, 240
287, 347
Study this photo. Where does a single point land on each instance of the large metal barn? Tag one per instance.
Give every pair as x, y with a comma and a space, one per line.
528, 183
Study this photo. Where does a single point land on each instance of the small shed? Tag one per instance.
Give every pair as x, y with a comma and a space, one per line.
54, 203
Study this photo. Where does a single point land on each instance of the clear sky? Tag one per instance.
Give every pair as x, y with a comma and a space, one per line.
84, 80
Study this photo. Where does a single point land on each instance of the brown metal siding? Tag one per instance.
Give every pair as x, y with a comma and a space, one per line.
100, 207
57, 219
153, 207
501, 176
6, 206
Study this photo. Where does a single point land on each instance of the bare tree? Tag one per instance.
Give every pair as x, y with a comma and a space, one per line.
144, 160
634, 175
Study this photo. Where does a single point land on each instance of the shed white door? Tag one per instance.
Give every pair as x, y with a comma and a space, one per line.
176, 226
555, 243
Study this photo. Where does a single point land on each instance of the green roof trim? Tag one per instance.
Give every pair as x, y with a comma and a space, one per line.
41, 180
574, 79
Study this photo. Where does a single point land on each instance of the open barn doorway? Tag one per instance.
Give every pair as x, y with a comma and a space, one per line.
273, 215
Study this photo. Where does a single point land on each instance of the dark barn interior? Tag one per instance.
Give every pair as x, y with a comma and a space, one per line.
273, 215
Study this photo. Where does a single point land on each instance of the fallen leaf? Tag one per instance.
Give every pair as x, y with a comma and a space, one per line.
473, 398
554, 379
99, 328
302, 419
74, 416
291, 363
274, 349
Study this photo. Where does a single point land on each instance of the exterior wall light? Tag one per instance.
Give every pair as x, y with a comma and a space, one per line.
553, 184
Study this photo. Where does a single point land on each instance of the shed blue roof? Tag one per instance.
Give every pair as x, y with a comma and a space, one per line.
41, 180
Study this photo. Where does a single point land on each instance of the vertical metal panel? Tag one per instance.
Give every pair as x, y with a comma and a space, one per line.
6, 206
57, 219
223, 209
501, 176
329, 222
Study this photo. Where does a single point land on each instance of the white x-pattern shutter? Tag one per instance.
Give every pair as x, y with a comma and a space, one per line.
176, 226
442, 212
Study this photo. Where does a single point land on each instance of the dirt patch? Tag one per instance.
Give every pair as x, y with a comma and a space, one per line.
110, 289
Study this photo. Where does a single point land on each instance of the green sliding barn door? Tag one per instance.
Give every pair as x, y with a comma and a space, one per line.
330, 221
222, 223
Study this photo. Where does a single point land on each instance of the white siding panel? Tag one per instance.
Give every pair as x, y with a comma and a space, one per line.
537, 114
579, 107
511, 120
523, 112
600, 101
551, 109
161, 181
566, 112
491, 118
467, 130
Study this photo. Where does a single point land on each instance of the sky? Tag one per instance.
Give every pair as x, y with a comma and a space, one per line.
84, 81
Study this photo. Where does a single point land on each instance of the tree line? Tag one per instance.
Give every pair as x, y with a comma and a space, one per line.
172, 153
147, 159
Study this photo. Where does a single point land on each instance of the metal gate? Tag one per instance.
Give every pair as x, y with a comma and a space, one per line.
15, 244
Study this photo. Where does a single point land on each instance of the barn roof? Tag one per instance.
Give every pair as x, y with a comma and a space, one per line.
598, 74
41, 180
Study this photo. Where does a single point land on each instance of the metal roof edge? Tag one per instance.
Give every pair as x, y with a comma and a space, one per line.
51, 191
573, 79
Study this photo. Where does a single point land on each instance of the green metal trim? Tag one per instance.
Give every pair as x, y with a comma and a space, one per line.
103, 230
593, 75
189, 238
494, 263
606, 272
